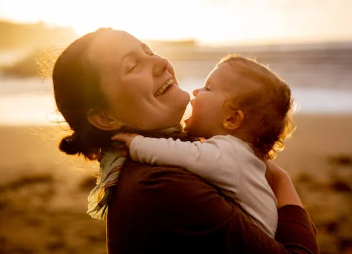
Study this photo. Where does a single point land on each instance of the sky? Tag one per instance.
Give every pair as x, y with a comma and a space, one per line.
209, 21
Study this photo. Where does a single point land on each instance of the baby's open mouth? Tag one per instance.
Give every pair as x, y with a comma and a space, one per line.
165, 87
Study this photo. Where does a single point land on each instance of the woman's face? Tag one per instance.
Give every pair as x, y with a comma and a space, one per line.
140, 87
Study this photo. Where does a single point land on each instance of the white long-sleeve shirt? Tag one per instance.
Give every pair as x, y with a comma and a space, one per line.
224, 161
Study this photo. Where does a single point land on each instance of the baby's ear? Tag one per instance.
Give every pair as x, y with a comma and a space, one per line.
102, 120
234, 120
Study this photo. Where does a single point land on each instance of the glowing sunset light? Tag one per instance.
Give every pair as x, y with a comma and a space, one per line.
209, 21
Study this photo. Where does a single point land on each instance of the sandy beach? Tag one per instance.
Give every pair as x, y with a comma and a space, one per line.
43, 192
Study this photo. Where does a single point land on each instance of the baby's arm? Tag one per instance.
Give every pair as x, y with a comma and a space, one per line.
205, 159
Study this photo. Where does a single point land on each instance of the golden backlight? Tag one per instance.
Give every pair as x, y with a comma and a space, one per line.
43, 192
208, 21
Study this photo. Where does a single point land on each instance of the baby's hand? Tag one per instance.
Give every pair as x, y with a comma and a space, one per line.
124, 137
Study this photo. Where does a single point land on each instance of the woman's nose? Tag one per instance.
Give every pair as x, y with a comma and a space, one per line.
160, 66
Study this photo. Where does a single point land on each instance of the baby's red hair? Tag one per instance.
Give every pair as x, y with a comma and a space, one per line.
267, 110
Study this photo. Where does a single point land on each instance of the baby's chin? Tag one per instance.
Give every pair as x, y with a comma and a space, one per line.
188, 125
190, 131
191, 128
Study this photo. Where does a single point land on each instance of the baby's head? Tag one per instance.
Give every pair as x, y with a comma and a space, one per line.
247, 100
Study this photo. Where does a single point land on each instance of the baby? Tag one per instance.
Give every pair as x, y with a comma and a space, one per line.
243, 112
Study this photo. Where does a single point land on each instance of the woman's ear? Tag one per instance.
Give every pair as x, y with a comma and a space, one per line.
234, 120
102, 121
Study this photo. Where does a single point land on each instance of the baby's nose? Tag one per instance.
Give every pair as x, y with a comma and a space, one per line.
195, 92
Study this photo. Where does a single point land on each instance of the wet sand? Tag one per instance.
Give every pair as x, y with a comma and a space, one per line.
43, 192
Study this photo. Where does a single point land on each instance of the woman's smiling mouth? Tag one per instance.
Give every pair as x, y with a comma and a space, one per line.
165, 87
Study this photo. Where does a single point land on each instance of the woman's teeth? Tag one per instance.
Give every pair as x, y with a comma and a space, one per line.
162, 89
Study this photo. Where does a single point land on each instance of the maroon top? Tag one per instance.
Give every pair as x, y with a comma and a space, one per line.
170, 210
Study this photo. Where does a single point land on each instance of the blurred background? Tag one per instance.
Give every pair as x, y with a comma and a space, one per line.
306, 42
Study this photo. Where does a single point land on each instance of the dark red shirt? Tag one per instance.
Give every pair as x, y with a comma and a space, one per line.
170, 210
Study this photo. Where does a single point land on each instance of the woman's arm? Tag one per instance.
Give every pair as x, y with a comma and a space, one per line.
289, 205
282, 185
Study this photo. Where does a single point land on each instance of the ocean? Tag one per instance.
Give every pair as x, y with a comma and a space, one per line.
31, 102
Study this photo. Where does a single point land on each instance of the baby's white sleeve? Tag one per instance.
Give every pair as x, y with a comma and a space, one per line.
162, 151
206, 159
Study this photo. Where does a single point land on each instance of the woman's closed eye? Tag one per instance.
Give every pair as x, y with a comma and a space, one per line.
132, 66
148, 51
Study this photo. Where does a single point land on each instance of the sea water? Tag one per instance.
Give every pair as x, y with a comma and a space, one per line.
30, 101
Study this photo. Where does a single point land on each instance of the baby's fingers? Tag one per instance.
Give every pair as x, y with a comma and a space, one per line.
124, 137
119, 137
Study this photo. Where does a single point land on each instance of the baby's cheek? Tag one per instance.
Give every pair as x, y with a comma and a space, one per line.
198, 105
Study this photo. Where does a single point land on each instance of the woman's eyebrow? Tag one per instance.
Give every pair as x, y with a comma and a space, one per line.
126, 56
131, 53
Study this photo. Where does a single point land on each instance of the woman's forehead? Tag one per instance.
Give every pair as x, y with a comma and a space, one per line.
110, 47
118, 41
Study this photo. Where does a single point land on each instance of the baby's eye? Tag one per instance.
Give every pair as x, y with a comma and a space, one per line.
207, 88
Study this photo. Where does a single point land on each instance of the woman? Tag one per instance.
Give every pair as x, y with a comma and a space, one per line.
108, 81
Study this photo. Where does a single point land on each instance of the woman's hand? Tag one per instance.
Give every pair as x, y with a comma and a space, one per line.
124, 137
273, 172
282, 185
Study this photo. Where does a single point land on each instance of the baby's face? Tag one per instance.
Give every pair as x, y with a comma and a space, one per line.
209, 107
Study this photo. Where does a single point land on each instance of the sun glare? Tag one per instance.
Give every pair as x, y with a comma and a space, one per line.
215, 24
133, 16
209, 21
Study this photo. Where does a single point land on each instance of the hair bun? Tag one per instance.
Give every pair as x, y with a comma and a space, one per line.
69, 144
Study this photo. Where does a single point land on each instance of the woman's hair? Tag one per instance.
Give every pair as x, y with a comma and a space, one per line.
77, 90
267, 110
